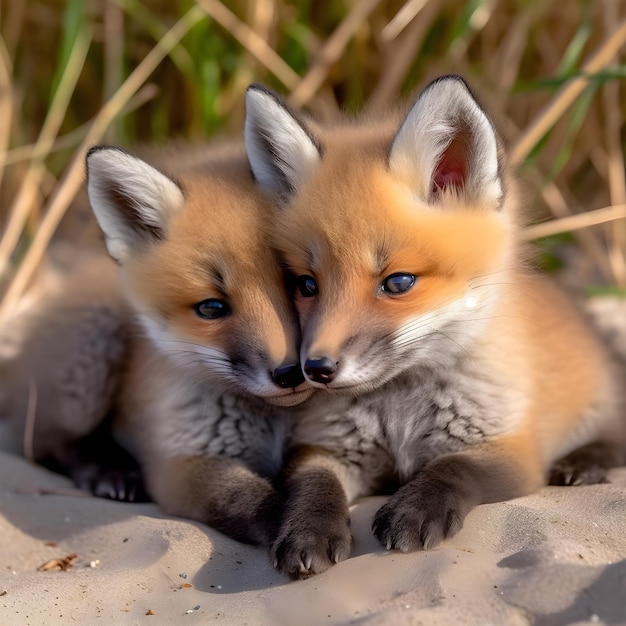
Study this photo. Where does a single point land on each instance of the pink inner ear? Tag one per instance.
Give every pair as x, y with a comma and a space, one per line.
451, 171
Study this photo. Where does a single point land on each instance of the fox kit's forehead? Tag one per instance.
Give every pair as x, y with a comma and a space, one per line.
339, 199
215, 247
221, 213
355, 213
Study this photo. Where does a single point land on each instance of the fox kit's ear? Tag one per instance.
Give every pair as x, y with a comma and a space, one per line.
281, 150
132, 200
447, 143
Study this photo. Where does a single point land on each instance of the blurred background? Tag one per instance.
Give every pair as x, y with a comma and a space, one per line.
78, 72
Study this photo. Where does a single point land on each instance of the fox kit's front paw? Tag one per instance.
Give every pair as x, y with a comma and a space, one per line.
314, 531
588, 465
125, 485
311, 545
566, 474
420, 515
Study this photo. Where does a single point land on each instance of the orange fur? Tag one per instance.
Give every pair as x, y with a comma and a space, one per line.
350, 231
207, 254
446, 360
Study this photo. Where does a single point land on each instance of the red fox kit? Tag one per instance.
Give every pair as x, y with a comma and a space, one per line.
210, 358
448, 365
203, 389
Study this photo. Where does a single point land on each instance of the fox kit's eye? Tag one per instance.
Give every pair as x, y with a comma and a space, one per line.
398, 283
211, 309
307, 286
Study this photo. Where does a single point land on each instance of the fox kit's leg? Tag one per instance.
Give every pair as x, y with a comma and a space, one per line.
207, 455
433, 505
219, 491
331, 463
314, 531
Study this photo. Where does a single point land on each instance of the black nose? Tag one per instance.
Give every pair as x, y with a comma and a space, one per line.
288, 376
320, 369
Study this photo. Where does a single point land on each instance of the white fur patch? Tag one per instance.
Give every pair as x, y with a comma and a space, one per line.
281, 153
186, 354
429, 128
206, 360
153, 196
460, 321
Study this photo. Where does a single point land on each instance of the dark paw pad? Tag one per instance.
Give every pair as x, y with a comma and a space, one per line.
420, 516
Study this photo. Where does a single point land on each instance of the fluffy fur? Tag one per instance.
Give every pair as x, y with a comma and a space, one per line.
200, 393
448, 367
199, 336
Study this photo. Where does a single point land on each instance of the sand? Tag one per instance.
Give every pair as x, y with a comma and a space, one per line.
556, 557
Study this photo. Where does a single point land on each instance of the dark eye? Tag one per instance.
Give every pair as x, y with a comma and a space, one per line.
211, 309
398, 283
307, 286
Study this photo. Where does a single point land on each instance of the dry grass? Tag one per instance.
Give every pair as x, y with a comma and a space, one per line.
75, 73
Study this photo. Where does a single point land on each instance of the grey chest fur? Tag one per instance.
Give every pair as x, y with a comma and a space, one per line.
411, 420
214, 423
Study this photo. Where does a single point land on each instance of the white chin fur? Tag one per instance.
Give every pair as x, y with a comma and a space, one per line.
431, 339
168, 344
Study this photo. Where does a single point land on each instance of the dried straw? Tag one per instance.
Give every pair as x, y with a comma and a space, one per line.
74, 176
576, 222
331, 51
566, 96
23, 203
252, 42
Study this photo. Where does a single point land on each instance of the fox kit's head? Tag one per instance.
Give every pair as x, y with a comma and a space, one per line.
198, 270
396, 231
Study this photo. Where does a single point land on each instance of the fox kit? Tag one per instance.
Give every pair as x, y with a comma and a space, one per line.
208, 359
204, 387
448, 366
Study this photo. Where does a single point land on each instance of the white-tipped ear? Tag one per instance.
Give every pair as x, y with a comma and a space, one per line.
281, 151
132, 201
447, 142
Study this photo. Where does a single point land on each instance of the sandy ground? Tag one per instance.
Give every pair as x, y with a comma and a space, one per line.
557, 557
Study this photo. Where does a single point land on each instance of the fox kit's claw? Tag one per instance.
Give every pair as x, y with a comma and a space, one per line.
125, 485
99, 465
585, 466
301, 557
566, 474
420, 516
310, 546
